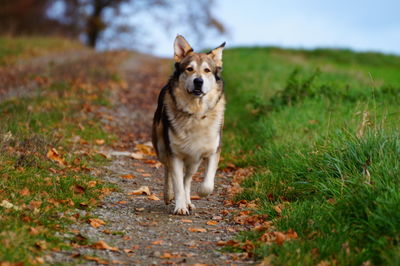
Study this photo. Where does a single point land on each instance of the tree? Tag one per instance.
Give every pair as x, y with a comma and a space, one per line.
93, 18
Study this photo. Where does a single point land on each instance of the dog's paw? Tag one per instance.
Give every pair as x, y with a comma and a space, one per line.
168, 198
205, 190
191, 207
181, 211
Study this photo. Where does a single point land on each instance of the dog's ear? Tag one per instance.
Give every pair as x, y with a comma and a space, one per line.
181, 48
216, 54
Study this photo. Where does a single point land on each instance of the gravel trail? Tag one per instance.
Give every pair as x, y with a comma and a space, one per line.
140, 227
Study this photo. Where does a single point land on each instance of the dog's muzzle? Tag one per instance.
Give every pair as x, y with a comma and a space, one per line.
198, 84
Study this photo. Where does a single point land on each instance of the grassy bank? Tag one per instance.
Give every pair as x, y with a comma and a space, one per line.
321, 129
48, 150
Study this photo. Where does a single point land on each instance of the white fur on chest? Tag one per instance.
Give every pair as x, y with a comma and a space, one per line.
196, 138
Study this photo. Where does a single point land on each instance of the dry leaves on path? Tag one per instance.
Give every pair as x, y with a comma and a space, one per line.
197, 230
127, 176
143, 190
96, 259
103, 245
95, 222
153, 197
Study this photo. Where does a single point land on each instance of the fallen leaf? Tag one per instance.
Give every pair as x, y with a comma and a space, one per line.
96, 259
195, 197
157, 242
99, 141
197, 230
145, 149
92, 183
150, 161
212, 222
279, 238
153, 197
35, 203
221, 243
33, 231
278, 208
122, 202
95, 222
186, 221
127, 250
127, 176
136, 155
139, 209
167, 255
146, 175
78, 189
25, 192
8, 205
53, 155
42, 245
144, 190
103, 245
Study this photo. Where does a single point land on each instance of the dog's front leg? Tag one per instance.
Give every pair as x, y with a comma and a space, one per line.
179, 190
168, 186
191, 169
208, 184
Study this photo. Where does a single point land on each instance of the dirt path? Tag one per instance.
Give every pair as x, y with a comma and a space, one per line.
143, 229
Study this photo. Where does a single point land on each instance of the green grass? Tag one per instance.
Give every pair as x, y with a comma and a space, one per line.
45, 195
297, 117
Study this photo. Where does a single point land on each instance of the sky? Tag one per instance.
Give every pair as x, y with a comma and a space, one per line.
368, 25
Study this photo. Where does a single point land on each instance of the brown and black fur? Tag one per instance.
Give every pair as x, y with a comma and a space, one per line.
187, 125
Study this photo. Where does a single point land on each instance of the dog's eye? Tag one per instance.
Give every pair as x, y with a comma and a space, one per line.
190, 69
207, 70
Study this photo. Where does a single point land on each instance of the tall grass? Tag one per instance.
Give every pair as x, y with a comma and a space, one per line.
323, 136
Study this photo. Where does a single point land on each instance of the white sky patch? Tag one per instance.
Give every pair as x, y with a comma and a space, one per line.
358, 25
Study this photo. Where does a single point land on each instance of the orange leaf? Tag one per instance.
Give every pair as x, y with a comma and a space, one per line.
195, 197
153, 197
212, 222
280, 238
53, 155
127, 176
95, 222
99, 141
167, 255
186, 221
145, 149
92, 183
197, 230
103, 245
25, 192
122, 202
157, 242
151, 161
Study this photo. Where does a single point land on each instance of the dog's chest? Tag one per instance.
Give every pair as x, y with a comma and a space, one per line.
196, 137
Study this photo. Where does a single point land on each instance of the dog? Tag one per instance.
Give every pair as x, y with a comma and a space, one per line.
188, 121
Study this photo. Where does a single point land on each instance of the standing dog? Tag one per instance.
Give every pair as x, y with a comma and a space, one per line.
187, 125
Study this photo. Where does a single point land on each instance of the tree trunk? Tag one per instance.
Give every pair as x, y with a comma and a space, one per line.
95, 23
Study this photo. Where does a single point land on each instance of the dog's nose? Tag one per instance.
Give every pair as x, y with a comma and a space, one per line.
198, 82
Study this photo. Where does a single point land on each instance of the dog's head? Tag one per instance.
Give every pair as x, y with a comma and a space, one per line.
199, 73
